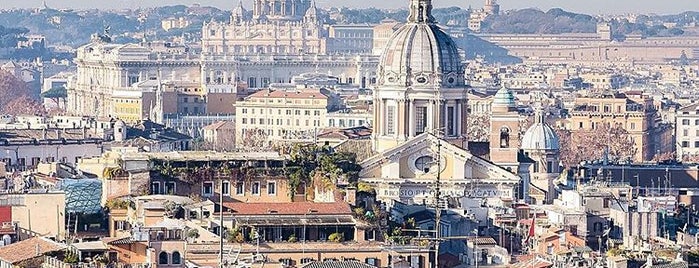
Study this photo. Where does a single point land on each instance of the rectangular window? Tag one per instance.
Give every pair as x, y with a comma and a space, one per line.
685, 144
226, 188
696, 144
390, 120
155, 187
170, 188
255, 188
272, 188
450, 121
208, 188
420, 120
240, 188
252, 82
685, 122
685, 132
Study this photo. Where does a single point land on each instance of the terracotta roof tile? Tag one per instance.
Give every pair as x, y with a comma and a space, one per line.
28, 249
296, 208
290, 94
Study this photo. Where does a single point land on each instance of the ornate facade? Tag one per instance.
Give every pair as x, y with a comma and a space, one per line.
420, 112
421, 86
277, 27
541, 144
104, 68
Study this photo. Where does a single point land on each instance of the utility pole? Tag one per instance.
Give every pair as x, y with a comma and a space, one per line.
438, 207
220, 196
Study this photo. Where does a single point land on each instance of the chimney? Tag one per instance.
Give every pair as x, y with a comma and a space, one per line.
58, 134
44, 134
84, 132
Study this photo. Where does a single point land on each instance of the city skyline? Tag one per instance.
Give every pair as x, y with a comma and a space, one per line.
588, 7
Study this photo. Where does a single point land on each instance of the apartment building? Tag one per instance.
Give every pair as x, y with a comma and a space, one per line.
687, 131
277, 115
635, 115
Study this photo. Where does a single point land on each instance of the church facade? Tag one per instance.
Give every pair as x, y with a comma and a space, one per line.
421, 111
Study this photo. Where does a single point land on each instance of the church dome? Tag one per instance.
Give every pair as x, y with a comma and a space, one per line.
540, 136
421, 53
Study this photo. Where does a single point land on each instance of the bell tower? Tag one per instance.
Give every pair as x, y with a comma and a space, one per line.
504, 129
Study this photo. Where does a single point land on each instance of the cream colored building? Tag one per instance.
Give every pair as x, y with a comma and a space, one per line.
174, 23
355, 39
604, 80
279, 115
595, 49
106, 68
277, 27
40, 214
687, 131
383, 33
637, 116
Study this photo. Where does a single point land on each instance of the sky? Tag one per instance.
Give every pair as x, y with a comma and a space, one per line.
581, 6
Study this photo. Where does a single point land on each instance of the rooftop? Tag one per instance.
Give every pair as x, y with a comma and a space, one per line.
337, 264
291, 94
28, 249
295, 208
203, 156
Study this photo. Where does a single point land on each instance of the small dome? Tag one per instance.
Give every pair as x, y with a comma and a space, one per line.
540, 136
312, 11
504, 98
421, 53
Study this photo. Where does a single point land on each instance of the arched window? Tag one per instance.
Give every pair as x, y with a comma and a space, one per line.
176, 258
162, 258
504, 137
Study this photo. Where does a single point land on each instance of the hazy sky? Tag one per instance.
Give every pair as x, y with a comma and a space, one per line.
584, 6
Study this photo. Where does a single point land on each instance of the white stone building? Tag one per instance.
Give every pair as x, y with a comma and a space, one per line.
687, 131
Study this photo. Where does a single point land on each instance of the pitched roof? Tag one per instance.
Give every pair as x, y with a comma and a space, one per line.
533, 263
295, 208
28, 249
337, 264
291, 94
219, 125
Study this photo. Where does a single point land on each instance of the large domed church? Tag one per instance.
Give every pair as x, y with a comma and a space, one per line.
420, 116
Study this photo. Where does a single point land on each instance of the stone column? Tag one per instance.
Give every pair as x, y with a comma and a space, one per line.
464, 118
457, 118
400, 122
411, 118
443, 116
430, 115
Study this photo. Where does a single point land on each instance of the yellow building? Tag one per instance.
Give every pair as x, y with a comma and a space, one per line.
38, 213
276, 115
635, 115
